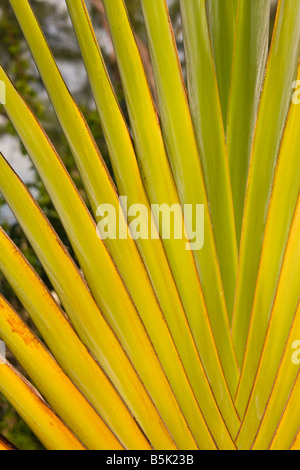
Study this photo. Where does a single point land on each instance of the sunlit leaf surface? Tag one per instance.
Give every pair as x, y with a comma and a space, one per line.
157, 343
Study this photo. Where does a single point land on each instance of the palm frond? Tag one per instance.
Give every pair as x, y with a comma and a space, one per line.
156, 343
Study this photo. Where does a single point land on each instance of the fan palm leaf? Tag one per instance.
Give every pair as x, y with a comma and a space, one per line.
156, 343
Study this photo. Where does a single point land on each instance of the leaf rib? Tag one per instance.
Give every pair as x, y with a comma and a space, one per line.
81, 308
124, 252
204, 103
119, 144
278, 331
66, 346
42, 421
279, 219
248, 71
274, 104
161, 189
52, 382
281, 392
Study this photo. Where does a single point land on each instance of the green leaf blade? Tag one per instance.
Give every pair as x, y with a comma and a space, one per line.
273, 109
248, 69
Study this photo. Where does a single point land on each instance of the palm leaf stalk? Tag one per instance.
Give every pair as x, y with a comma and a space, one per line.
156, 344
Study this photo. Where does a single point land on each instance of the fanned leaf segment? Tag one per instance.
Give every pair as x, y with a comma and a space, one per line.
158, 343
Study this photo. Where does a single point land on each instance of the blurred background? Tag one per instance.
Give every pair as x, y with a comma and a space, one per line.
17, 61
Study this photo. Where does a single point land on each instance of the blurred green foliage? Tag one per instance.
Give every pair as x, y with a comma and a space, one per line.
15, 430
